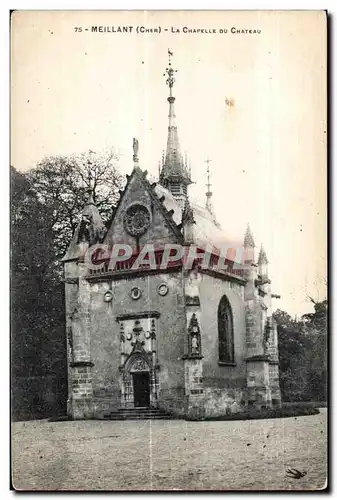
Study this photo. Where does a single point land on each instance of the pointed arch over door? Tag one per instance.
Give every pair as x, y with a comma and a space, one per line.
225, 331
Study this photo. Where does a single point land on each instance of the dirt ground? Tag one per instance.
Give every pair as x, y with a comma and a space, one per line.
169, 454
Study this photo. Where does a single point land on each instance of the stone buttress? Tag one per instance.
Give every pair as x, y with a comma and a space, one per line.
257, 362
194, 389
78, 312
270, 328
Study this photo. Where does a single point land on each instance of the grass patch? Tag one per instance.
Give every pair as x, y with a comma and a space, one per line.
59, 418
253, 414
304, 404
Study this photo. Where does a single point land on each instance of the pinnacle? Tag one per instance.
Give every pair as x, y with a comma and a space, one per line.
262, 256
249, 240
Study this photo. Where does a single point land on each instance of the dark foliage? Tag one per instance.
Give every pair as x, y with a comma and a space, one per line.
46, 204
303, 354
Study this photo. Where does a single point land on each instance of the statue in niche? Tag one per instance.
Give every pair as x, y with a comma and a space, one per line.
194, 336
195, 344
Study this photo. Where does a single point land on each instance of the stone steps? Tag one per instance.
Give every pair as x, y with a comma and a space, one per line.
137, 414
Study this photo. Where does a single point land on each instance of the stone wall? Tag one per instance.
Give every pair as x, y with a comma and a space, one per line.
81, 401
275, 384
173, 401
218, 402
105, 336
216, 375
78, 328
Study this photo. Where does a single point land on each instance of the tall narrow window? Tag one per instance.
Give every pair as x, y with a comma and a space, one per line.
225, 329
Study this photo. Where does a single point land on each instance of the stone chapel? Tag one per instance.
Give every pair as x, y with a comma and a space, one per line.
192, 342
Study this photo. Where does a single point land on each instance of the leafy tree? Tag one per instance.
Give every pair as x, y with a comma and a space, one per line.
37, 338
303, 354
315, 326
31, 253
46, 204
61, 183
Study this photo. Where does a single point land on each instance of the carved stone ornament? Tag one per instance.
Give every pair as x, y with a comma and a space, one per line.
139, 366
194, 325
137, 220
108, 296
135, 293
163, 289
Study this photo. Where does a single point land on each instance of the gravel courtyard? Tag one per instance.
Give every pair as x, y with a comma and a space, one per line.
169, 454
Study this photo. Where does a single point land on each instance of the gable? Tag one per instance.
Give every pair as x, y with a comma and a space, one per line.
162, 228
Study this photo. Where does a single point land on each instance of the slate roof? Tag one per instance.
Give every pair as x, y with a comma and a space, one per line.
206, 230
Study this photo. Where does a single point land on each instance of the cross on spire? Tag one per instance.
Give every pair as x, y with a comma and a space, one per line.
208, 185
170, 72
209, 204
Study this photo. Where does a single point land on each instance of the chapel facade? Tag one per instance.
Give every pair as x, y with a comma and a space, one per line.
194, 341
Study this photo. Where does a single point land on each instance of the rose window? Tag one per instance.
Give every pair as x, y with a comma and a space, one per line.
137, 220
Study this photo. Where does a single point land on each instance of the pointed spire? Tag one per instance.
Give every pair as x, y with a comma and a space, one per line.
174, 171
249, 240
262, 256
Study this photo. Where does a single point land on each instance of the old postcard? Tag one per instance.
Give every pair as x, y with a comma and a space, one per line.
168, 234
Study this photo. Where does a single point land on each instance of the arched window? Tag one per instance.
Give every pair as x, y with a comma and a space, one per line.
226, 333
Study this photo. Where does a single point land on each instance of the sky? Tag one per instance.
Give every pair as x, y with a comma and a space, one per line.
74, 90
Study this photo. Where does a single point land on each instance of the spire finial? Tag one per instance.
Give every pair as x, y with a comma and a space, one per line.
135, 146
170, 72
209, 204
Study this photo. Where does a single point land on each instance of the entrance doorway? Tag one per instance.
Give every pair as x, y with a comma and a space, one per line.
141, 389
